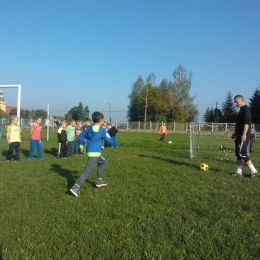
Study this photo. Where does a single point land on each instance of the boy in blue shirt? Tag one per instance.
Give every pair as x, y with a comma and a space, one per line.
94, 136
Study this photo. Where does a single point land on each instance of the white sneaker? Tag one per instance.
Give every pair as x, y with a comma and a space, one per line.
237, 174
254, 174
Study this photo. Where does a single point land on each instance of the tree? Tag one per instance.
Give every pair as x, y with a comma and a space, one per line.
254, 105
180, 88
86, 112
76, 113
228, 109
42, 113
135, 110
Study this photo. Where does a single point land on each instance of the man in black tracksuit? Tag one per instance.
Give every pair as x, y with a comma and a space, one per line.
242, 136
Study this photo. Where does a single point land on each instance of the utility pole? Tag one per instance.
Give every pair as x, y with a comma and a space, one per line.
216, 113
145, 110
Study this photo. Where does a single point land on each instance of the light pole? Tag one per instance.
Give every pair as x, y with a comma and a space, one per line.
109, 110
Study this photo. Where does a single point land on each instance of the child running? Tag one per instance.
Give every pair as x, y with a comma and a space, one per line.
36, 138
94, 136
13, 137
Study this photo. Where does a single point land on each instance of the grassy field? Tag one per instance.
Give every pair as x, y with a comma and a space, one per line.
157, 205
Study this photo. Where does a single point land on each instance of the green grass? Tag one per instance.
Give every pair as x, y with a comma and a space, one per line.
157, 205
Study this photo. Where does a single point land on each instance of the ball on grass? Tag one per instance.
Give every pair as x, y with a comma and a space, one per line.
170, 142
204, 167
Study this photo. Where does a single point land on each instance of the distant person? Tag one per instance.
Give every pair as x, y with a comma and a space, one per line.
46, 124
242, 136
112, 132
163, 132
62, 138
105, 143
94, 136
77, 132
56, 121
13, 137
252, 137
87, 124
71, 137
35, 141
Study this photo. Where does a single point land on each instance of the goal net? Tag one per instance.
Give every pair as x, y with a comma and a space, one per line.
212, 140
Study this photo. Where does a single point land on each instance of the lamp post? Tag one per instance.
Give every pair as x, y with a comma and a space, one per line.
109, 110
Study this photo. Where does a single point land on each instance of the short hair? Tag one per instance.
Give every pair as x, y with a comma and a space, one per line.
239, 96
72, 120
87, 119
97, 116
13, 117
36, 118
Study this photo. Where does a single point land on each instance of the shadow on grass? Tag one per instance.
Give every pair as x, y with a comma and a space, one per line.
1, 256
170, 161
4, 153
26, 152
56, 168
53, 151
243, 175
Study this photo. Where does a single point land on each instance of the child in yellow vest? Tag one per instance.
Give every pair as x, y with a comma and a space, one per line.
13, 137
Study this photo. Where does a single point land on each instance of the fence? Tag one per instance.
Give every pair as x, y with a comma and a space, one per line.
140, 126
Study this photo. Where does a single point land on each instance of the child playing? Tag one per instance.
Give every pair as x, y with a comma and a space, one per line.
62, 137
252, 137
112, 132
36, 138
77, 132
71, 137
94, 136
163, 132
13, 137
85, 127
87, 124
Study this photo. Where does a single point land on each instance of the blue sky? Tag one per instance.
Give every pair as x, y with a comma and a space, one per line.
66, 52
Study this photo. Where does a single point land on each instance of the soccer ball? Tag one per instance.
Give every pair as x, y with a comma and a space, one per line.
169, 142
204, 167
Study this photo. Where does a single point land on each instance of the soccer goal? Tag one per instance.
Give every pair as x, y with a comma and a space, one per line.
212, 140
19, 87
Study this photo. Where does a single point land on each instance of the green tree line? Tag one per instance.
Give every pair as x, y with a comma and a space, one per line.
228, 111
169, 101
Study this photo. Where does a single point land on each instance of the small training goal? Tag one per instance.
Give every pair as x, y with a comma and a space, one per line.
212, 140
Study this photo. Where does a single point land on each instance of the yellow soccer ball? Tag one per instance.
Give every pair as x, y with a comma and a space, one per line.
204, 167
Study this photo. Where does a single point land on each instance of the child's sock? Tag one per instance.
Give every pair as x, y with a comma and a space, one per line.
239, 169
100, 179
252, 168
77, 186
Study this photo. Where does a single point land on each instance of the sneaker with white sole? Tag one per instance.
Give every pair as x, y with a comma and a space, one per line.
101, 184
254, 174
237, 174
75, 191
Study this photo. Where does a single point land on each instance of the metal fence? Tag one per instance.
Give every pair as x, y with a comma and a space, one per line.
128, 126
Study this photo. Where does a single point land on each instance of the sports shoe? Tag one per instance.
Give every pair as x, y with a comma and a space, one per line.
255, 174
101, 184
75, 191
237, 174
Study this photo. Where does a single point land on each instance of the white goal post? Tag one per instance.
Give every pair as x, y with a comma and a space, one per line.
19, 87
212, 140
